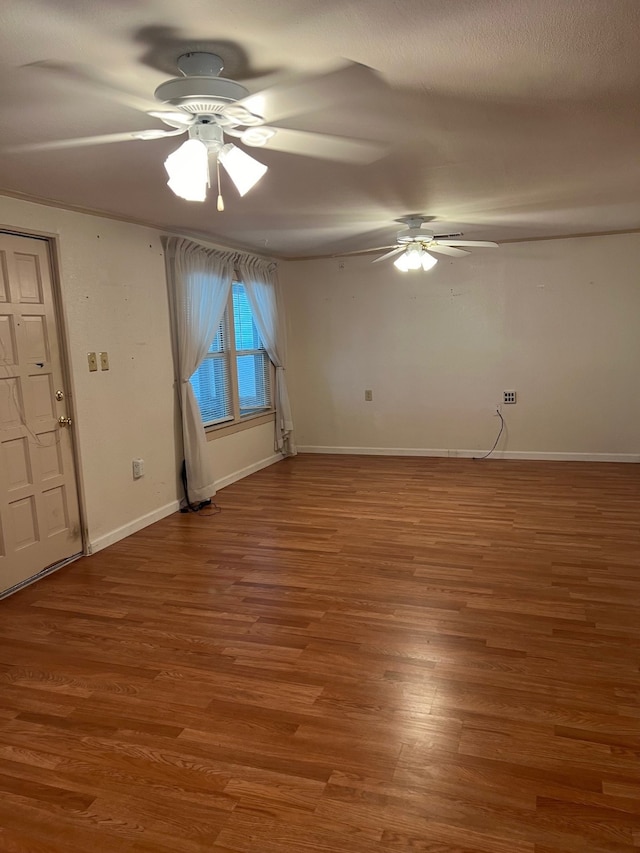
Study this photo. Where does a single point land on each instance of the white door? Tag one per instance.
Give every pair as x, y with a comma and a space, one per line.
39, 514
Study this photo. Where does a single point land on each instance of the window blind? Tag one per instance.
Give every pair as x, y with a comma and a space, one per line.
211, 383
252, 362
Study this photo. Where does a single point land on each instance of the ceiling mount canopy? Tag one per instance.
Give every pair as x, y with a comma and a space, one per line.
200, 64
415, 257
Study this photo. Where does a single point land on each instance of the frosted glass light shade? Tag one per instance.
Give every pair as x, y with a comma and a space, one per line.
244, 171
414, 258
428, 261
400, 263
188, 170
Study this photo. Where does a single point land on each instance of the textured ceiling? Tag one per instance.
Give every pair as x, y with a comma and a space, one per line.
504, 119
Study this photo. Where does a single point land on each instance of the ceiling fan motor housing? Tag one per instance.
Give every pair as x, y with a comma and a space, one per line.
411, 235
200, 95
415, 232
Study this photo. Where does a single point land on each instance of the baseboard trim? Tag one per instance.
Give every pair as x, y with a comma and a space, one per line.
250, 469
532, 455
143, 521
132, 527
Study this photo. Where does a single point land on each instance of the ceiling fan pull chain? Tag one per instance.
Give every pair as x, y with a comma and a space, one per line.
220, 199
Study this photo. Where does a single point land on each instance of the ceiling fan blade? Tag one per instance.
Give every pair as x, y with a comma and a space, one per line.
305, 93
174, 118
447, 250
81, 141
87, 76
395, 251
309, 144
362, 251
478, 243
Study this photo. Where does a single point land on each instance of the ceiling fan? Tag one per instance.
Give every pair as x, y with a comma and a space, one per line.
416, 245
210, 109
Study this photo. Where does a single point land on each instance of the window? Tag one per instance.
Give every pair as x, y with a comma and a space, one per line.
234, 380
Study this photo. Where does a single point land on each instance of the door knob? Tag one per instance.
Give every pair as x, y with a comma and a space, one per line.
64, 421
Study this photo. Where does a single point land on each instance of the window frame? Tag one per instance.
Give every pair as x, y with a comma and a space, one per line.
238, 422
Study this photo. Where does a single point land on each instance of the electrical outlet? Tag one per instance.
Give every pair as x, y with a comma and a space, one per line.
92, 361
508, 397
368, 395
497, 409
138, 468
104, 360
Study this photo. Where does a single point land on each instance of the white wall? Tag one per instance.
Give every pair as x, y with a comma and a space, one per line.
558, 321
115, 299
241, 453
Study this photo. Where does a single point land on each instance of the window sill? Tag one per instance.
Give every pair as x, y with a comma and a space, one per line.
250, 421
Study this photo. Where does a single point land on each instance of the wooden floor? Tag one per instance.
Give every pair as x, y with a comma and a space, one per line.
357, 655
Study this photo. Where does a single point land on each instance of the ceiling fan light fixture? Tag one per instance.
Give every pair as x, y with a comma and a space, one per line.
415, 258
188, 170
411, 259
244, 171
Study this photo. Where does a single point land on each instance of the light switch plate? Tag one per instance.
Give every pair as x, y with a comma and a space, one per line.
93, 361
104, 361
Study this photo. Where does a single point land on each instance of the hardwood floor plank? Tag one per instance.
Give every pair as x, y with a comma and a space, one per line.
358, 655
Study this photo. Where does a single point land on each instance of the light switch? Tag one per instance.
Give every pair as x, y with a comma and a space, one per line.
93, 362
104, 361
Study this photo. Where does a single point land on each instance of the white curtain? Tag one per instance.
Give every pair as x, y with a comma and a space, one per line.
199, 282
261, 285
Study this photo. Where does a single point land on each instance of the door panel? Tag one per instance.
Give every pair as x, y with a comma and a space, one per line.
39, 512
